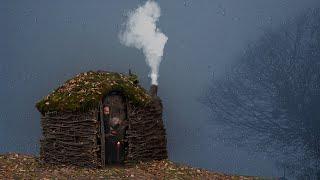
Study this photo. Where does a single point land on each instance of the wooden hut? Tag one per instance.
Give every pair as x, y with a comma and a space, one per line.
76, 117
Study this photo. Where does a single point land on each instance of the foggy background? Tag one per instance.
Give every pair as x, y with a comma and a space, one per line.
44, 43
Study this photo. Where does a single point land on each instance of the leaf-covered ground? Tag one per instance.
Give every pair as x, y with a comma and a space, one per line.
17, 166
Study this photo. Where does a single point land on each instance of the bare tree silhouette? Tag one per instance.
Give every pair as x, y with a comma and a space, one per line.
272, 94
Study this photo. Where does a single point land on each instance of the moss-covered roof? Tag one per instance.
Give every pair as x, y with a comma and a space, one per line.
87, 89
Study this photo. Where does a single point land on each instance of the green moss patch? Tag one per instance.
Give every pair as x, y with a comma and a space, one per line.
87, 89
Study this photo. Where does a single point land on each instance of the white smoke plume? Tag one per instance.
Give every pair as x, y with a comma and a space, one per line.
142, 33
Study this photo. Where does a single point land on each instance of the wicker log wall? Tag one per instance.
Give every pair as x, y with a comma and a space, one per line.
75, 138
71, 138
146, 134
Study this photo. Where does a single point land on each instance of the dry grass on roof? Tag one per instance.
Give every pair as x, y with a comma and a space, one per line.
87, 89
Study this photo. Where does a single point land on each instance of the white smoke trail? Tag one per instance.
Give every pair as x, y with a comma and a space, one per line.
141, 32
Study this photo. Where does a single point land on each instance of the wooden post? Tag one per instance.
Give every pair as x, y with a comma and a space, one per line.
103, 136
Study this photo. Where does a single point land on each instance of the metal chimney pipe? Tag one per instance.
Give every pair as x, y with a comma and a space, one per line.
153, 90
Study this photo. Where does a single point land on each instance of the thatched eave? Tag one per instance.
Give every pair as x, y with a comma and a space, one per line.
87, 89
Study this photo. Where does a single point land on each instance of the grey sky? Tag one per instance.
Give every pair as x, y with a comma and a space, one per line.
43, 43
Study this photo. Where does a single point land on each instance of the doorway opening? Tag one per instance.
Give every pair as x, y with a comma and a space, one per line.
115, 125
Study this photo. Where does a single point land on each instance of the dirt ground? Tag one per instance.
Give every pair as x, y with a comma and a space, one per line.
18, 166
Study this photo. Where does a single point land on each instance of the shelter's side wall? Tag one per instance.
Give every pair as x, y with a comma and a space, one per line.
71, 138
146, 133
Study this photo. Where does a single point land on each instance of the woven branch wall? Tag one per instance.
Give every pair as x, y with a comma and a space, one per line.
71, 138
74, 138
146, 134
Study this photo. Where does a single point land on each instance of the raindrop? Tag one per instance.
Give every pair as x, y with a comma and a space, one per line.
186, 3
221, 10
68, 20
236, 18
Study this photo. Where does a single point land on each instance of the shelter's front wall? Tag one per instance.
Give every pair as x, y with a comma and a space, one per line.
71, 138
146, 134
